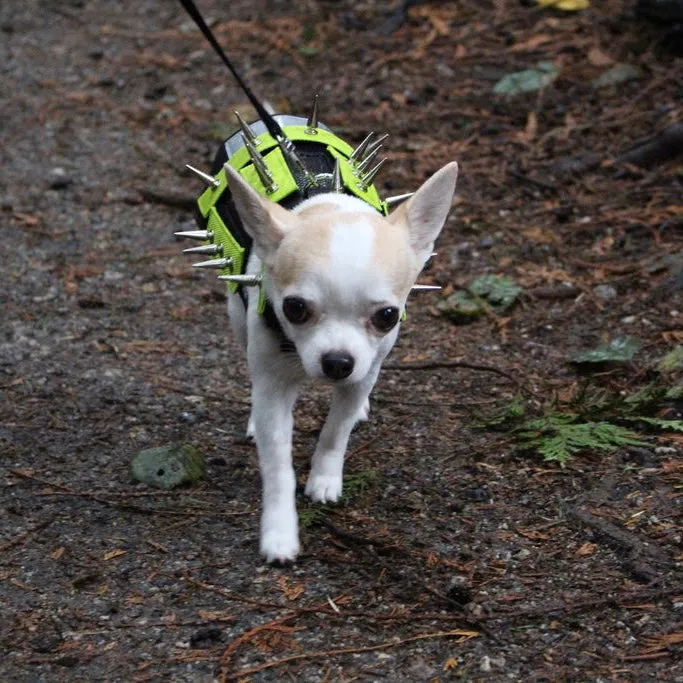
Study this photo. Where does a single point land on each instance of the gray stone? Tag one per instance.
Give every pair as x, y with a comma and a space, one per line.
606, 292
169, 466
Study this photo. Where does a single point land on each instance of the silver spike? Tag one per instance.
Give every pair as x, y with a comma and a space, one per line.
337, 184
357, 153
424, 288
209, 249
367, 179
312, 123
245, 280
214, 263
287, 148
208, 179
398, 199
246, 130
201, 235
262, 170
364, 165
375, 145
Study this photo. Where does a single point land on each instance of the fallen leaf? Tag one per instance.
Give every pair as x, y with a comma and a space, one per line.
27, 218
58, 553
113, 553
213, 615
565, 5
527, 80
532, 43
291, 590
586, 549
597, 57
531, 126
450, 664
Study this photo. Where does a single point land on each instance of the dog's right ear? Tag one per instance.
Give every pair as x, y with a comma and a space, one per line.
266, 222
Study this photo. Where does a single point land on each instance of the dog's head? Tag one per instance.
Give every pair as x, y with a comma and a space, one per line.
338, 273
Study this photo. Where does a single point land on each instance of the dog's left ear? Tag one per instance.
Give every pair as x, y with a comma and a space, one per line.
266, 222
425, 213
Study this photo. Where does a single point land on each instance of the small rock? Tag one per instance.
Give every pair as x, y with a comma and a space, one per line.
479, 495
204, 638
58, 179
485, 664
169, 466
459, 591
606, 292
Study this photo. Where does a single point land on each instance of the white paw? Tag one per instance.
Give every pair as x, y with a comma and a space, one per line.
251, 430
324, 488
364, 412
280, 545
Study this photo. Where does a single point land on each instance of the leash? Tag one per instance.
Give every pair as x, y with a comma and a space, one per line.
271, 124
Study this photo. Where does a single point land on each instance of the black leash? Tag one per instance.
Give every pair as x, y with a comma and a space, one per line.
270, 123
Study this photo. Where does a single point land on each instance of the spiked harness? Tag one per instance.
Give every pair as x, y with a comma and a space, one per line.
313, 160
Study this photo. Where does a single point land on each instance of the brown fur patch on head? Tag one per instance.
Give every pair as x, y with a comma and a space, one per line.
304, 246
393, 255
308, 244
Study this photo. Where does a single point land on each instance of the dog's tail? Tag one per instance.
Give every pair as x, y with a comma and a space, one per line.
271, 124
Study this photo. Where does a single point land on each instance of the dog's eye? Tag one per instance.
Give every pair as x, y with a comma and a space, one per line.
385, 319
296, 310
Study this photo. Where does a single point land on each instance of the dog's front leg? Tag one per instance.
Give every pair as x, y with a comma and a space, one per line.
272, 406
348, 405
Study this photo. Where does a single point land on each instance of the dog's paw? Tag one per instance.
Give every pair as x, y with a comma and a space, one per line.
324, 488
279, 547
364, 412
251, 429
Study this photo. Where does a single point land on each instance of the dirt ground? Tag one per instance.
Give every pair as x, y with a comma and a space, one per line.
455, 556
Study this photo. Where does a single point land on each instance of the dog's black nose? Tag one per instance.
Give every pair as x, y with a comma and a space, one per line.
337, 364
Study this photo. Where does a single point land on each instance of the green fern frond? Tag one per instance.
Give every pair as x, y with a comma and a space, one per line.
675, 425
357, 483
308, 516
558, 436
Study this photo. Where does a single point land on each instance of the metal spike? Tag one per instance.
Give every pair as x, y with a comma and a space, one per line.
312, 123
398, 199
214, 263
367, 179
208, 179
201, 235
357, 153
262, 170
291, 157
245, 280
425, 288
210, 249
375, 145
337, 184
246, 130
364, 165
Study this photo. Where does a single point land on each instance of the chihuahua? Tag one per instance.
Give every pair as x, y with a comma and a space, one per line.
318, 275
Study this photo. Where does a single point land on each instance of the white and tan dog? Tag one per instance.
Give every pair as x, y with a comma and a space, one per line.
338, 275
